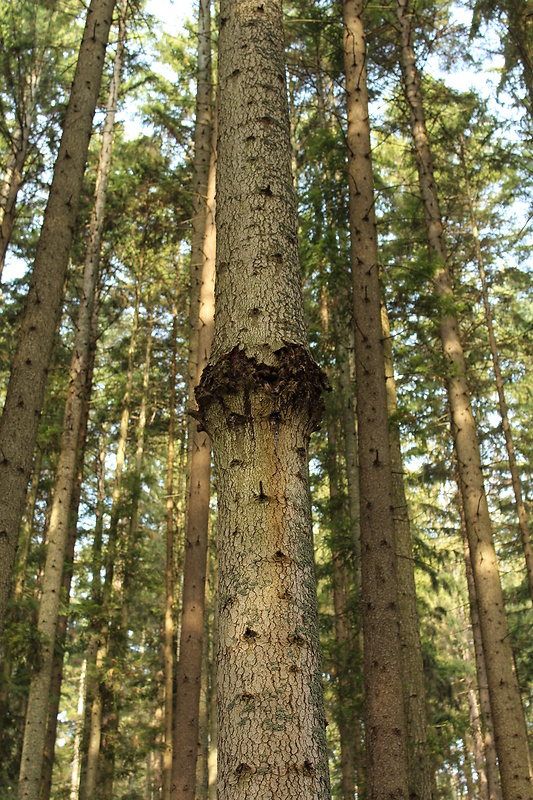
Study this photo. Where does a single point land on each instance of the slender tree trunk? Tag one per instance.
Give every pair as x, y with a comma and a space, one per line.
509, 443
96, 596
385, 727
478, 749
489, 742
168, 624
76, 760
412, 663
117, 642
95, 735
20, 419
341, 552
57, 669
189, 673
34, 734
508, 714
260, 399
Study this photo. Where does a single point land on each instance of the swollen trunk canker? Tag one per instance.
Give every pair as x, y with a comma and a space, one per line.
260, 399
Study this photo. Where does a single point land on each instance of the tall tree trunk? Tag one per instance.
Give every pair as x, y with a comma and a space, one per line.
76, 759
91, 775
489, 742
259, 398
117, 641
20, 419
412, 663
189, 673
35, 728
61, 633
508, 714
168, 623
96, 597
509, 443
385, 726
341, 552
477, 746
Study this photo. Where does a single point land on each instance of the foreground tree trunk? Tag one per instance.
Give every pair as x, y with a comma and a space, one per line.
260, 399
508, 715
385, 727
20, 419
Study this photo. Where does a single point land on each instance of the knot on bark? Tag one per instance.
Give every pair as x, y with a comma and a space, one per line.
295, 381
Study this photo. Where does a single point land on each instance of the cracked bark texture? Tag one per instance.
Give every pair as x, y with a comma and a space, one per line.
508, 715
25, 394
259, 399
385, 724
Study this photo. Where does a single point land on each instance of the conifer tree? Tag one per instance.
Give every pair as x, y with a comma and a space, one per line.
260, 399
20, 418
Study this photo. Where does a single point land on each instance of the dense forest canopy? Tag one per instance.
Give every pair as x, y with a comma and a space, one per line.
299, 238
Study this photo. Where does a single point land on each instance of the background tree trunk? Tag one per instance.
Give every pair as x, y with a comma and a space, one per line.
20, 419
385, 727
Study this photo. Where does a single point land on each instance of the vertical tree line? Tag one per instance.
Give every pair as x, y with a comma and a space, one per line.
309, 268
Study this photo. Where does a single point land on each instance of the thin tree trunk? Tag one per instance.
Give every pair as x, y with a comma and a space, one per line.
20, 419
95, 735
385, 726
412, 662
476, 731
57, 670
116, 640
76, 760
34, 734
196, 539
259, 398
345, 637
168, 624
509, 443
508, 714
96, 596
489, 742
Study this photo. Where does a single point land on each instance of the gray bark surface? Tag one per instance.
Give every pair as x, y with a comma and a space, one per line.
259, 398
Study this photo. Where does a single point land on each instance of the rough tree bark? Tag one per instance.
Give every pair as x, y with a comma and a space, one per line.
385, 726
259, 398
508, 715
20, 419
